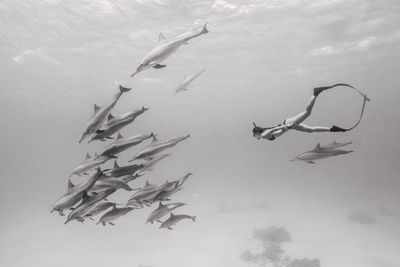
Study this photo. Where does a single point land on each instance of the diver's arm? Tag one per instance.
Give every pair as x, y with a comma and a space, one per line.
279, 130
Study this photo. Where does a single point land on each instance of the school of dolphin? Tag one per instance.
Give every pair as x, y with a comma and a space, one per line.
89, 198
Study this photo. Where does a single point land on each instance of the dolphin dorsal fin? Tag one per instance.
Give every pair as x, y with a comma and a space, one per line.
87, 156
95, 154
161, 37
147, 184
110, 117
172, 214
160, 205
318, 147
70, 184
115, 165
96, 108
154, 139
85, 197
98, 170
119, 136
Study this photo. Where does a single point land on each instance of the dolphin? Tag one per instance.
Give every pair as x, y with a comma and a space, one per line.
121, 144
118, 171
162, 210
173, 219
114, 124
99, 208
75, 193
110, 216
319, 153
134, 204
335, 145
109, 183
89, 164
156, 147
88, 202
128, 178
167, 192
149, 164
183, 85
166, 48
100, 114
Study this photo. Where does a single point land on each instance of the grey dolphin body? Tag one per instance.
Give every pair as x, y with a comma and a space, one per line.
183, 85
173, 219
335, 145
100, 114
87, 204
149, 164
121, 144
162, 210
118, 171
109, 183
75, 193
147, 194
113, 125
166, 48
157, 146
99, 208
89, 164
110, 216
167, 192
319, 153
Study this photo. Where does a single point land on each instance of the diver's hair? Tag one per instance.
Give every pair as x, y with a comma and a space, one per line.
259, 130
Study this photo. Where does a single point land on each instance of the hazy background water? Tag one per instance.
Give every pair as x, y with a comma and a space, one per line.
262, 58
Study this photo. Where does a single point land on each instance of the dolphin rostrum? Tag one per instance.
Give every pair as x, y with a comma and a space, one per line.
183, 85
166, 48
114, 124
75, 193
100, 114
173, 219
319, 153
162, 210
157, 146
121, 144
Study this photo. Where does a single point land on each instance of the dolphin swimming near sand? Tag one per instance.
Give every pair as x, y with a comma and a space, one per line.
75, 193
114, 124
89, 164
183, 85
87, 204
100, 114
162, 210
173, 219
166, 48
121, 144
319, 153
157, 146
110, 216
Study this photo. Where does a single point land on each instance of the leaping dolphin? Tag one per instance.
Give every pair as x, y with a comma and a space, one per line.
319, 153
75, 193
121, 144
173, 219
114, 124
100, 114
157, 146
166, 48
183, 85
162, 210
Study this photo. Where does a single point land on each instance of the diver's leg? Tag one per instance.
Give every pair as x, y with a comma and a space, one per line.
308, 129
296, 120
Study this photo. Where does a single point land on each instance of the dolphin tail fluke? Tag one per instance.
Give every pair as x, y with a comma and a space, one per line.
124, 89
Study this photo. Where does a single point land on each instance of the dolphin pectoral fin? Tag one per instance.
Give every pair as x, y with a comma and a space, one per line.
109, 137
169, 228
71, 208
91, 218
310, 162
99, 131
112, 223
85, 173
61, 213
159, 221
159, 66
